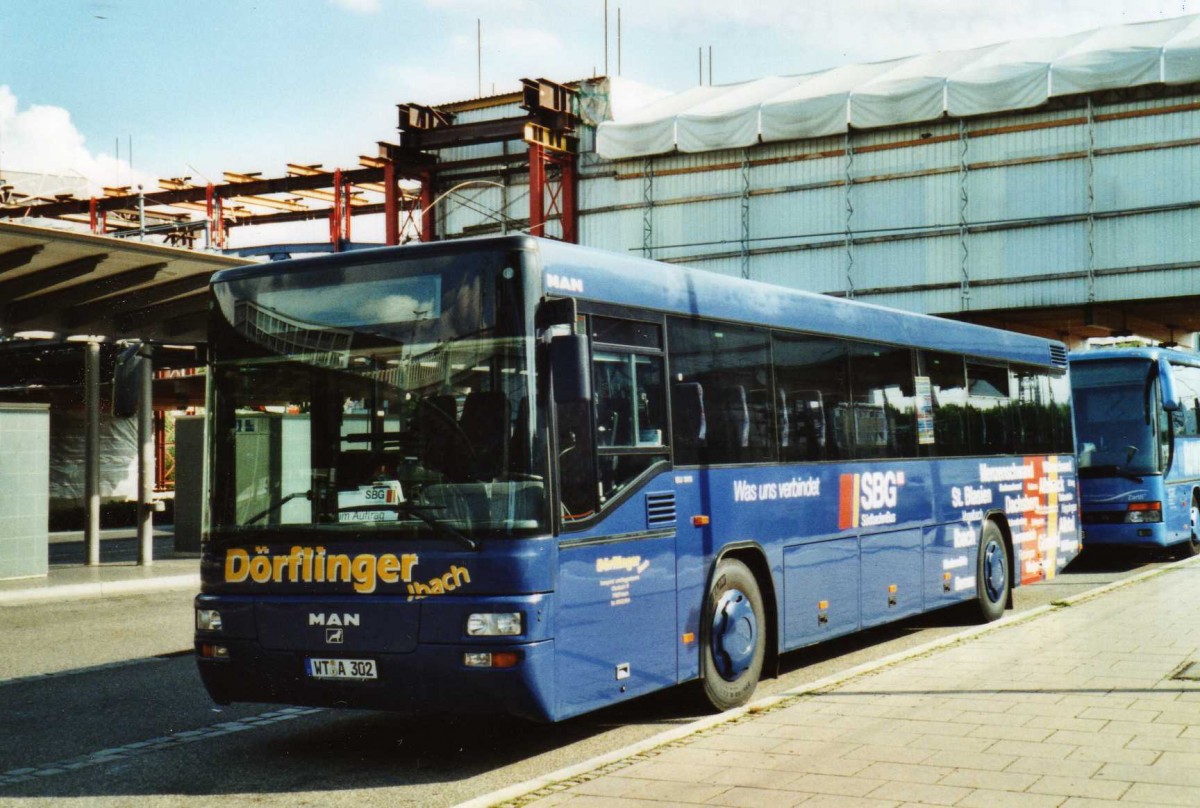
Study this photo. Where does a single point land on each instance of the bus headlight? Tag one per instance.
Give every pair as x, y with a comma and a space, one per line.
502, 624
208, 620
1142, 512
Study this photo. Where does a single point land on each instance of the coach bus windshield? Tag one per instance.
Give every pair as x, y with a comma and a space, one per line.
360, 399
1115, 417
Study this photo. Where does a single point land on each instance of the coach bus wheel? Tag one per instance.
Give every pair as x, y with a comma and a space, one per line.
733, 635
992, 573
1191, 547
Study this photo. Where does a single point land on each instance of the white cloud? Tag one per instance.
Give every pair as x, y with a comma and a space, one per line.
358, 6
43, 140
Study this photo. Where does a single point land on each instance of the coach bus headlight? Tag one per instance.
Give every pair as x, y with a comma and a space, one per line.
208, 620
1142, 512
489, 624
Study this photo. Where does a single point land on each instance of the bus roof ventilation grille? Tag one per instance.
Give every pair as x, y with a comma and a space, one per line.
1058, 356
660, 508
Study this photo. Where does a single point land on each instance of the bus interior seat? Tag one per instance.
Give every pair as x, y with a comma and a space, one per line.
690, 423
613, 421
759, 402
518, 450
785, 421
437, 424
485, 423
734, 414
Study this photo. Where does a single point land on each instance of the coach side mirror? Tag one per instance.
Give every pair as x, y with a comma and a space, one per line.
570, 369
557, 311
1166, 384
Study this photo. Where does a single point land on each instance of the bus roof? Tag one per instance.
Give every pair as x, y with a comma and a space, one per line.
587, 273
1136, 352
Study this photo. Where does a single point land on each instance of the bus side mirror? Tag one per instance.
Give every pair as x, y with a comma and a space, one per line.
1166, 383
570, 369
126, 382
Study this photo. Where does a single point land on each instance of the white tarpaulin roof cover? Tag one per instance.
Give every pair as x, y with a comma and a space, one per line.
1009, 76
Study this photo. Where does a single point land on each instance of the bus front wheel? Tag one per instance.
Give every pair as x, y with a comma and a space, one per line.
733, 636
1191, 547
992, 573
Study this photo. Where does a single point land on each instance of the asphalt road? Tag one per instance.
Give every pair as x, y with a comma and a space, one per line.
102, 705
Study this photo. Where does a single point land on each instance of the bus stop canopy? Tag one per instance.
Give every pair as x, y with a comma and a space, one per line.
65, 283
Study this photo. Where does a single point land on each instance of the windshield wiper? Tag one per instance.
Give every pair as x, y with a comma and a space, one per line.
275, 506
419, 512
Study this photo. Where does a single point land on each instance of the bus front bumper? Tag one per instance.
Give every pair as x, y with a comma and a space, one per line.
429, 679
1149, 534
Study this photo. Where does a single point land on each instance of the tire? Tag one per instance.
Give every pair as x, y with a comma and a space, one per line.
993, 578
1191, 547
733, 636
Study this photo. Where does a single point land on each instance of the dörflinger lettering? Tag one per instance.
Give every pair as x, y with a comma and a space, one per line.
313, 565
455, 577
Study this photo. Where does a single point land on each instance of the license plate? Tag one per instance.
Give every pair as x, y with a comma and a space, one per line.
354, 669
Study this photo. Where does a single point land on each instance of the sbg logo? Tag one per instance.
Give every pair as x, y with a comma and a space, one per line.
868, 499
879, 489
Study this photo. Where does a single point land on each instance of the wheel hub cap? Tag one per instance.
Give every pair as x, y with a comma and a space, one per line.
734, 635
993, 569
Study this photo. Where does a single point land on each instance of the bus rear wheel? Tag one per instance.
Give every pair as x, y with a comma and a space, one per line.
992, 579
733, 636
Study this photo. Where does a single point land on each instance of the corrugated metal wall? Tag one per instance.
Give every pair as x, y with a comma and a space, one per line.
1094, 202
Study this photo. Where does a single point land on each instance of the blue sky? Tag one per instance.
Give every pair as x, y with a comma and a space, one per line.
250, 85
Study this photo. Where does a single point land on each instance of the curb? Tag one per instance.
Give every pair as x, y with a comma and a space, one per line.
516, 792
100, 589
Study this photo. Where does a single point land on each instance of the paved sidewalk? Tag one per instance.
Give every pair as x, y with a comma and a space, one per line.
118, 573
1078, 706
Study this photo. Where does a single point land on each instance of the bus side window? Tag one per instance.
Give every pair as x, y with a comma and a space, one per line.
1187, 390
1041, 413
989, 424
731, 365
812, 375
576, 461
629, 392
948, 384
885, 413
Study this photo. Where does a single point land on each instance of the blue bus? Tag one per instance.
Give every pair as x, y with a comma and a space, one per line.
512, 475
1138, 446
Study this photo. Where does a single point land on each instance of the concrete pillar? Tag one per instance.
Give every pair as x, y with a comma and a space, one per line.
91, 453
145, 458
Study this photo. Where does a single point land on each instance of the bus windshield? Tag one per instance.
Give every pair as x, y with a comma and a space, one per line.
1114, 417
368, 399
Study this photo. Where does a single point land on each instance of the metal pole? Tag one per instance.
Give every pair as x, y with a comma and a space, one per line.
145, 460
605, 37
91, 452
391, 205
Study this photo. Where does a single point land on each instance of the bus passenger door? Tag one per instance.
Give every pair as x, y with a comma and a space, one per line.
614, 633
615, 621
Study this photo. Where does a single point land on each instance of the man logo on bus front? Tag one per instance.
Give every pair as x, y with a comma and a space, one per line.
334, 636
